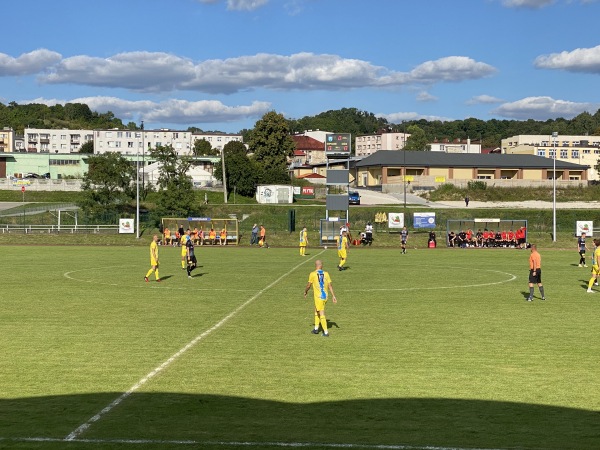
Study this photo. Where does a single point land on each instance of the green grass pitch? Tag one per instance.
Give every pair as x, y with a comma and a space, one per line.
433, 349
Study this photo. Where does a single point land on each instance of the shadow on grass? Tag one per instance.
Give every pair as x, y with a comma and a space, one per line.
167, 420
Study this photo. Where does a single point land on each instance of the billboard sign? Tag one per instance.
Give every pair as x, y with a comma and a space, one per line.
338, 145
395, 220
126, 226
584, 226
424, 220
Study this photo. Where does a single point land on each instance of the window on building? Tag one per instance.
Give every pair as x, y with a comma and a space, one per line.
129, 144
586, 152
108, 134
552, 153
575, 154
564, 154
119, 134
541, 153
63, 137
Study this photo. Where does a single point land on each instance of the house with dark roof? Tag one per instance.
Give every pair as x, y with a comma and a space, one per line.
391, 169
308, 150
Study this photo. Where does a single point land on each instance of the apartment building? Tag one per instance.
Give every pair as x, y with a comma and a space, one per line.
7, 140
55, 141
132, 142
584, 150
216, 140
455, 146
368, 144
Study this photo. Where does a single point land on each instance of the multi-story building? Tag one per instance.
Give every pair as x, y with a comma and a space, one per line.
7, 140
56, 141
308, 150
368, 144
216, 140
583, 150
132, 142
455, 146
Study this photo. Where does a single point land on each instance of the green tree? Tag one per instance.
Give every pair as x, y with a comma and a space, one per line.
175, 187
418, 140
108, 186
241, 172
203, 148
271, 143
87, 147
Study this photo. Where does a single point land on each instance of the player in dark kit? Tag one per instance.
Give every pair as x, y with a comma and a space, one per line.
191, 257
581, 247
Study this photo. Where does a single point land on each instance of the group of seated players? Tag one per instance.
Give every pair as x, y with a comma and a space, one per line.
488, 238
199, 237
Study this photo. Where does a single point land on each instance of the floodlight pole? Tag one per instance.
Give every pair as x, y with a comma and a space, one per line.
224, 176
554, 136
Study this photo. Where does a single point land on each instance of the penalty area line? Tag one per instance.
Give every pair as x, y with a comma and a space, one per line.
246, 444
85, 426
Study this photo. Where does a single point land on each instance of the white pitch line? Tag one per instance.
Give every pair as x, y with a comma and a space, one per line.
425, 288
83, 427
247, 444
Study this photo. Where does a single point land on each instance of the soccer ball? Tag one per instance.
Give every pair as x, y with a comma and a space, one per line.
325, 247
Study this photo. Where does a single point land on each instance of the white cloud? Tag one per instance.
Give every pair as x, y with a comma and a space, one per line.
27, 63
483, 99
169, 111
240, 5
527, 3
424, 96
585, 60
162, 72
543, 108
537, 4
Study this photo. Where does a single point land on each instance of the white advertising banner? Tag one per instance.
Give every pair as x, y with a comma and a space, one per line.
126, 226
395, 220
584, 226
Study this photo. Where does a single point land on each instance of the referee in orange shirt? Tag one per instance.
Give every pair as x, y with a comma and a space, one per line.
535, 273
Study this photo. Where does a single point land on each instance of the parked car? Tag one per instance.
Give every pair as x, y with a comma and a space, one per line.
354, 198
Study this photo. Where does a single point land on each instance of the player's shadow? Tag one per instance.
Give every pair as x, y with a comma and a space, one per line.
525, 294
330, 324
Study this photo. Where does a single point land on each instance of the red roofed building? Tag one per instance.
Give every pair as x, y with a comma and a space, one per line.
308, 150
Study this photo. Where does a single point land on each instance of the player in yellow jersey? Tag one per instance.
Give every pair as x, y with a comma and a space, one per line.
153, 259
342, 249
321, 283
182, 241
303, 241
595, 266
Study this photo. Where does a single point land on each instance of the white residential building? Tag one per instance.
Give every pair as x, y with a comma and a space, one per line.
368, 144
56, 141
130, 142
580, 149
455, 146
216, 140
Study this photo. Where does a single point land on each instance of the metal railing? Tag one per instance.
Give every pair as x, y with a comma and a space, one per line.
67, 229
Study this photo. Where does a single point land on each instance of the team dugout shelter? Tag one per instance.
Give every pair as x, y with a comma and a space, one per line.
231, 226
485, 232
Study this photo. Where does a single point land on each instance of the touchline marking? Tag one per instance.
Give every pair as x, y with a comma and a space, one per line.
83, 427
247, 444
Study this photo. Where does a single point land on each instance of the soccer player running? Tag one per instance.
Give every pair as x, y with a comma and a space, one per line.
581, 247
153, 259
321, 283
190, 256
403, 239
303, 241
535, 273
595, 266
343, 250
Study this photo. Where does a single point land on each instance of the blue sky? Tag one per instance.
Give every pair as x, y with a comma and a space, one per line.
222, 64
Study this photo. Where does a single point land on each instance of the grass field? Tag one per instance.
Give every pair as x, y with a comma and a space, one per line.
435, 349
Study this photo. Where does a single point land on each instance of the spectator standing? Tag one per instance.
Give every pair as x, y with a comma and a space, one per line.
467, 200
403, 239
254, 235
263, 237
